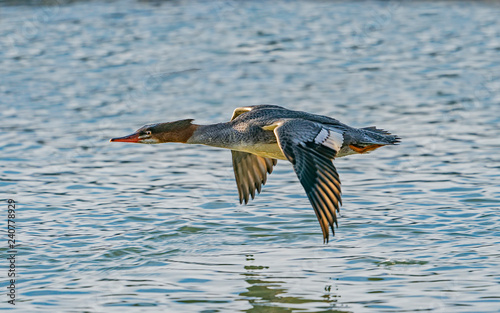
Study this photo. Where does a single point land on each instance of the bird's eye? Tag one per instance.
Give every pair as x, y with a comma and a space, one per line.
148, 132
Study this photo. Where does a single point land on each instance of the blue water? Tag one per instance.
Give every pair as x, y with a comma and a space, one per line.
105, 227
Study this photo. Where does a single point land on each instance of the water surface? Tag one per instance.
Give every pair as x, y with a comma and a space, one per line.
120, 227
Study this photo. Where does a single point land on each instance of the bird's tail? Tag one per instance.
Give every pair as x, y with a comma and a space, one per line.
374, 138
381, 136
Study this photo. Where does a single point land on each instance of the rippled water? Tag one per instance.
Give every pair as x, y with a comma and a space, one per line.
120, 227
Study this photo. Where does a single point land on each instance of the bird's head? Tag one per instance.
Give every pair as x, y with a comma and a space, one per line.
178, 131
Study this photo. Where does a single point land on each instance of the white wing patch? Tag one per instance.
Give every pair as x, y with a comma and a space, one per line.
330, 139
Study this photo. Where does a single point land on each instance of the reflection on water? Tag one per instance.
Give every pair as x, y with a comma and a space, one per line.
264, 294
103, 227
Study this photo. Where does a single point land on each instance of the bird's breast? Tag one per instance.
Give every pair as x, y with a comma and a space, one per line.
266, 150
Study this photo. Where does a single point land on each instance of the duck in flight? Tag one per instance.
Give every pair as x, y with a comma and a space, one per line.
260, 135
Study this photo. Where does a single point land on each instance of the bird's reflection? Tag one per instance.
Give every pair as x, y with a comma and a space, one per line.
266, 294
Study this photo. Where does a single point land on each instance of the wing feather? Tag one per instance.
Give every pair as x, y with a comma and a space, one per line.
238, 111
250, 171
316, 203
311, 147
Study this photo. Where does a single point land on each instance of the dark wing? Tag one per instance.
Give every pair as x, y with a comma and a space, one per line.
310, 147
250, 171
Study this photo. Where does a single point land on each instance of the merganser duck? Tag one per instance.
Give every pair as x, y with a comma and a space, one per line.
260, 135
